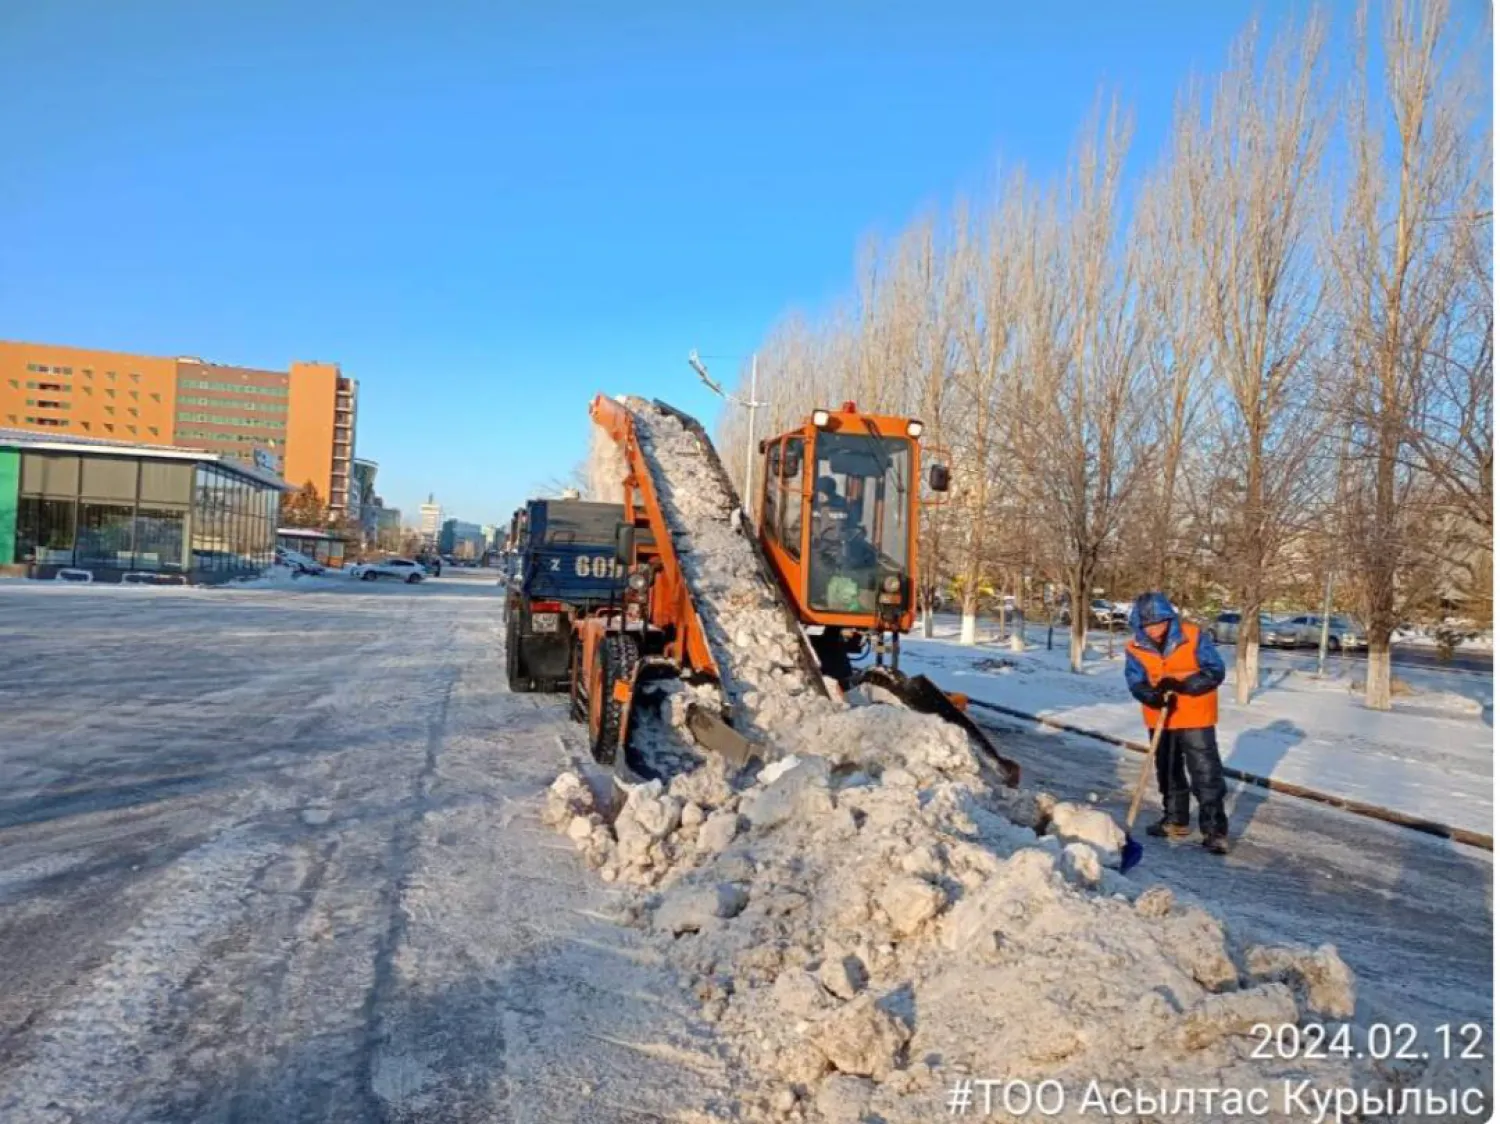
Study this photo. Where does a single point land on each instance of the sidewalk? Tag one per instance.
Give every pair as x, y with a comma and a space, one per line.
1431, 757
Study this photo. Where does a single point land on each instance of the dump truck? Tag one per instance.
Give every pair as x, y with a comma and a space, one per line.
834, 547
564, 551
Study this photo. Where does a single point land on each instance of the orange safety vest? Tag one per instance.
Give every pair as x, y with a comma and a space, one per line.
1191, 712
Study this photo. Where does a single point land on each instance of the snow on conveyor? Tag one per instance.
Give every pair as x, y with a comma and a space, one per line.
758, 650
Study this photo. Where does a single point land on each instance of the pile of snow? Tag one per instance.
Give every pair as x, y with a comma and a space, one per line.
1457, 633
272, 577
866, 926
866, 920
605, 470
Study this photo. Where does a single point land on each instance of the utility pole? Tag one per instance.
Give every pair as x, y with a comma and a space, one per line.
751, 404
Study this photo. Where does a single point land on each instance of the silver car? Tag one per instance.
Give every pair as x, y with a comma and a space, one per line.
1343, 633
1274, 633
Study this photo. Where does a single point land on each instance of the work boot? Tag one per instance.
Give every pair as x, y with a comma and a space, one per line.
1166, 829
1216, 844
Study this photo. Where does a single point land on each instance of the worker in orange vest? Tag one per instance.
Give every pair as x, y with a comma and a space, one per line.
1171, 663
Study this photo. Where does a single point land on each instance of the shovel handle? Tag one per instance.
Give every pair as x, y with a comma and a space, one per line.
1140, 784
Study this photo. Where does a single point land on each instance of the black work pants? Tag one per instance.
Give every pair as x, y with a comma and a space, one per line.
1187, 761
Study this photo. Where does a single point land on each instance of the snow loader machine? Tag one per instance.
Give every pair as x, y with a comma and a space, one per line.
835, 544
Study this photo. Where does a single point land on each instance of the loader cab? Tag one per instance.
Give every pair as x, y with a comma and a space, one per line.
838, 511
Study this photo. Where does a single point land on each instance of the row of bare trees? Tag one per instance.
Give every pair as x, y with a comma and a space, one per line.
1271, 365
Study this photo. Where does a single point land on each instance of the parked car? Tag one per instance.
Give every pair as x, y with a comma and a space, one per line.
403, 569
1343, 633
1107, 613
297, 562
1274, 632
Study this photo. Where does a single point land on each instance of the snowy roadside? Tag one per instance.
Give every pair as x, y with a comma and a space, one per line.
1431, 757
865, 918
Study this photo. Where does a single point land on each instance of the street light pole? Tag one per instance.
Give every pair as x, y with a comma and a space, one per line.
751, 404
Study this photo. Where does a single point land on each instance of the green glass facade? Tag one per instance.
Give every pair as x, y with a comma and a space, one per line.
10, 485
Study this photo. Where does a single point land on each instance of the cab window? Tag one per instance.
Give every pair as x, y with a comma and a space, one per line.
791, 496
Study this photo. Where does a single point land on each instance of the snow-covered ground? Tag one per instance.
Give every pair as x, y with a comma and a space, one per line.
1425, 638
273, 855
1432, 756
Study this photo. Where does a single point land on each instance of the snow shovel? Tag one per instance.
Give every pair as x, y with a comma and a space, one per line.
1133, 852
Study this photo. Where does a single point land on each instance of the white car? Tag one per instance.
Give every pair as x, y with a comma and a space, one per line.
298, 563
403, 569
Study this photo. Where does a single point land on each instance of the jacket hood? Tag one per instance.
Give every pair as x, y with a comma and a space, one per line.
1158, 608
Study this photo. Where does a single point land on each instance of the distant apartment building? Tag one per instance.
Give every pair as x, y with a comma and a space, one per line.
299, 423
460, 539
430, 523
388, 526
364, 501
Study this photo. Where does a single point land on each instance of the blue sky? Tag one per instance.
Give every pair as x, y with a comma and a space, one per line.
486, 212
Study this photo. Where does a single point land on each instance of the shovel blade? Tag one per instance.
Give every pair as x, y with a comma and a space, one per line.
717, 736
1131, 854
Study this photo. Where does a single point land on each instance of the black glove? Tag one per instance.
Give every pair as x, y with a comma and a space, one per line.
1154, 698
1170, 684
1199, 683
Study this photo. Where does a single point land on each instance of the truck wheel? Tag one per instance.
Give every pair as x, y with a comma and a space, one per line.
518, 684
615, 660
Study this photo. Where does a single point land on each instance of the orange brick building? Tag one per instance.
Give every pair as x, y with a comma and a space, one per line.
301, 419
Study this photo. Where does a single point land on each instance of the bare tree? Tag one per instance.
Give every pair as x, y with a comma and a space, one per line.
1174, 347
1399, 259
987, 257
1252, 167
1083, 418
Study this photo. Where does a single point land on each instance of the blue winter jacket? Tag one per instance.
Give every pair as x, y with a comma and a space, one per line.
1210, 666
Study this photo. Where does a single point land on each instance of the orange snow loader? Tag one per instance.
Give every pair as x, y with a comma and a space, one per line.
836, 546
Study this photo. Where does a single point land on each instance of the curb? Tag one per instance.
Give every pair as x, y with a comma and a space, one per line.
1358, 807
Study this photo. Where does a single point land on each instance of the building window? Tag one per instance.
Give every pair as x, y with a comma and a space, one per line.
237, 387
109, 374
135, 394
88, 372
110, 393
108, 428
134, 377
134, 412
131, 428
44, 531
158, 539
104, 534
153, 430
15, 384
109, 409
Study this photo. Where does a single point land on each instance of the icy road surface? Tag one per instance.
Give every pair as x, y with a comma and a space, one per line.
1412, 914
273, 855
